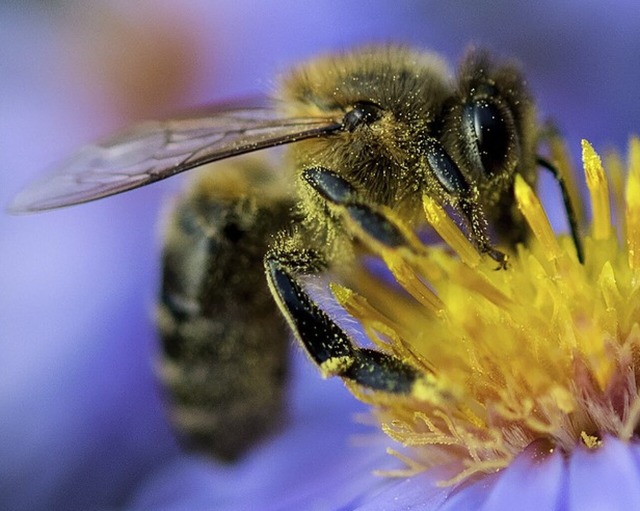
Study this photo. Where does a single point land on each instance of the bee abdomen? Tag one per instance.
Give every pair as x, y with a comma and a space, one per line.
224, 343
225, 383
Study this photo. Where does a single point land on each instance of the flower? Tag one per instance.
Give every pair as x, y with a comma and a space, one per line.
529, 374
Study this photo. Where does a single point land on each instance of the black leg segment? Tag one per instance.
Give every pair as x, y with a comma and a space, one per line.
572, 218
339, 192
323, 340
379, 371
326, 343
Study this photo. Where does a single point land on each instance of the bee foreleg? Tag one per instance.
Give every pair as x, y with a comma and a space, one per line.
367, 219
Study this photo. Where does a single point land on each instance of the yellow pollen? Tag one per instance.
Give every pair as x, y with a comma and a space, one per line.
335, 365
591, 441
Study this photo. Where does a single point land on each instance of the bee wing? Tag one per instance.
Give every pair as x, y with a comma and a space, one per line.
156, 150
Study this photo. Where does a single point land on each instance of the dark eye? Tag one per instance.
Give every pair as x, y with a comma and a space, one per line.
363, 112
492, 130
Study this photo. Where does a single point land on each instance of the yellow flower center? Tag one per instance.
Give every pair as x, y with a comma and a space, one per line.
546, 351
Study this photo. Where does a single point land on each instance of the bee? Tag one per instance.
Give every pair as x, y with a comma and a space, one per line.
368, 133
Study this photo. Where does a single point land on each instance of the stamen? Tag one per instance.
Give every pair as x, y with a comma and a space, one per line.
532, 210
632, 197
449, 232
599, 191
407, 277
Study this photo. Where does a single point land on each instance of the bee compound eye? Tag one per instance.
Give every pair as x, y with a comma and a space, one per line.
362, 113
489, 132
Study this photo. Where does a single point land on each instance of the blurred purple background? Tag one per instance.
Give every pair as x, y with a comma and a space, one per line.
81, 422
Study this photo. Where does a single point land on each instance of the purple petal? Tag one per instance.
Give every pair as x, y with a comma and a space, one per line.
470, 496
418, 492
529, 484
604, 478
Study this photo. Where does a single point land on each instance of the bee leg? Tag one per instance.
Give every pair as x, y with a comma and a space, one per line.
465, 199
340, 193
478, 229
328, 345
572, 217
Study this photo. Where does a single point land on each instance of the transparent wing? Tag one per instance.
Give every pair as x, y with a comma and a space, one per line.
156, 150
